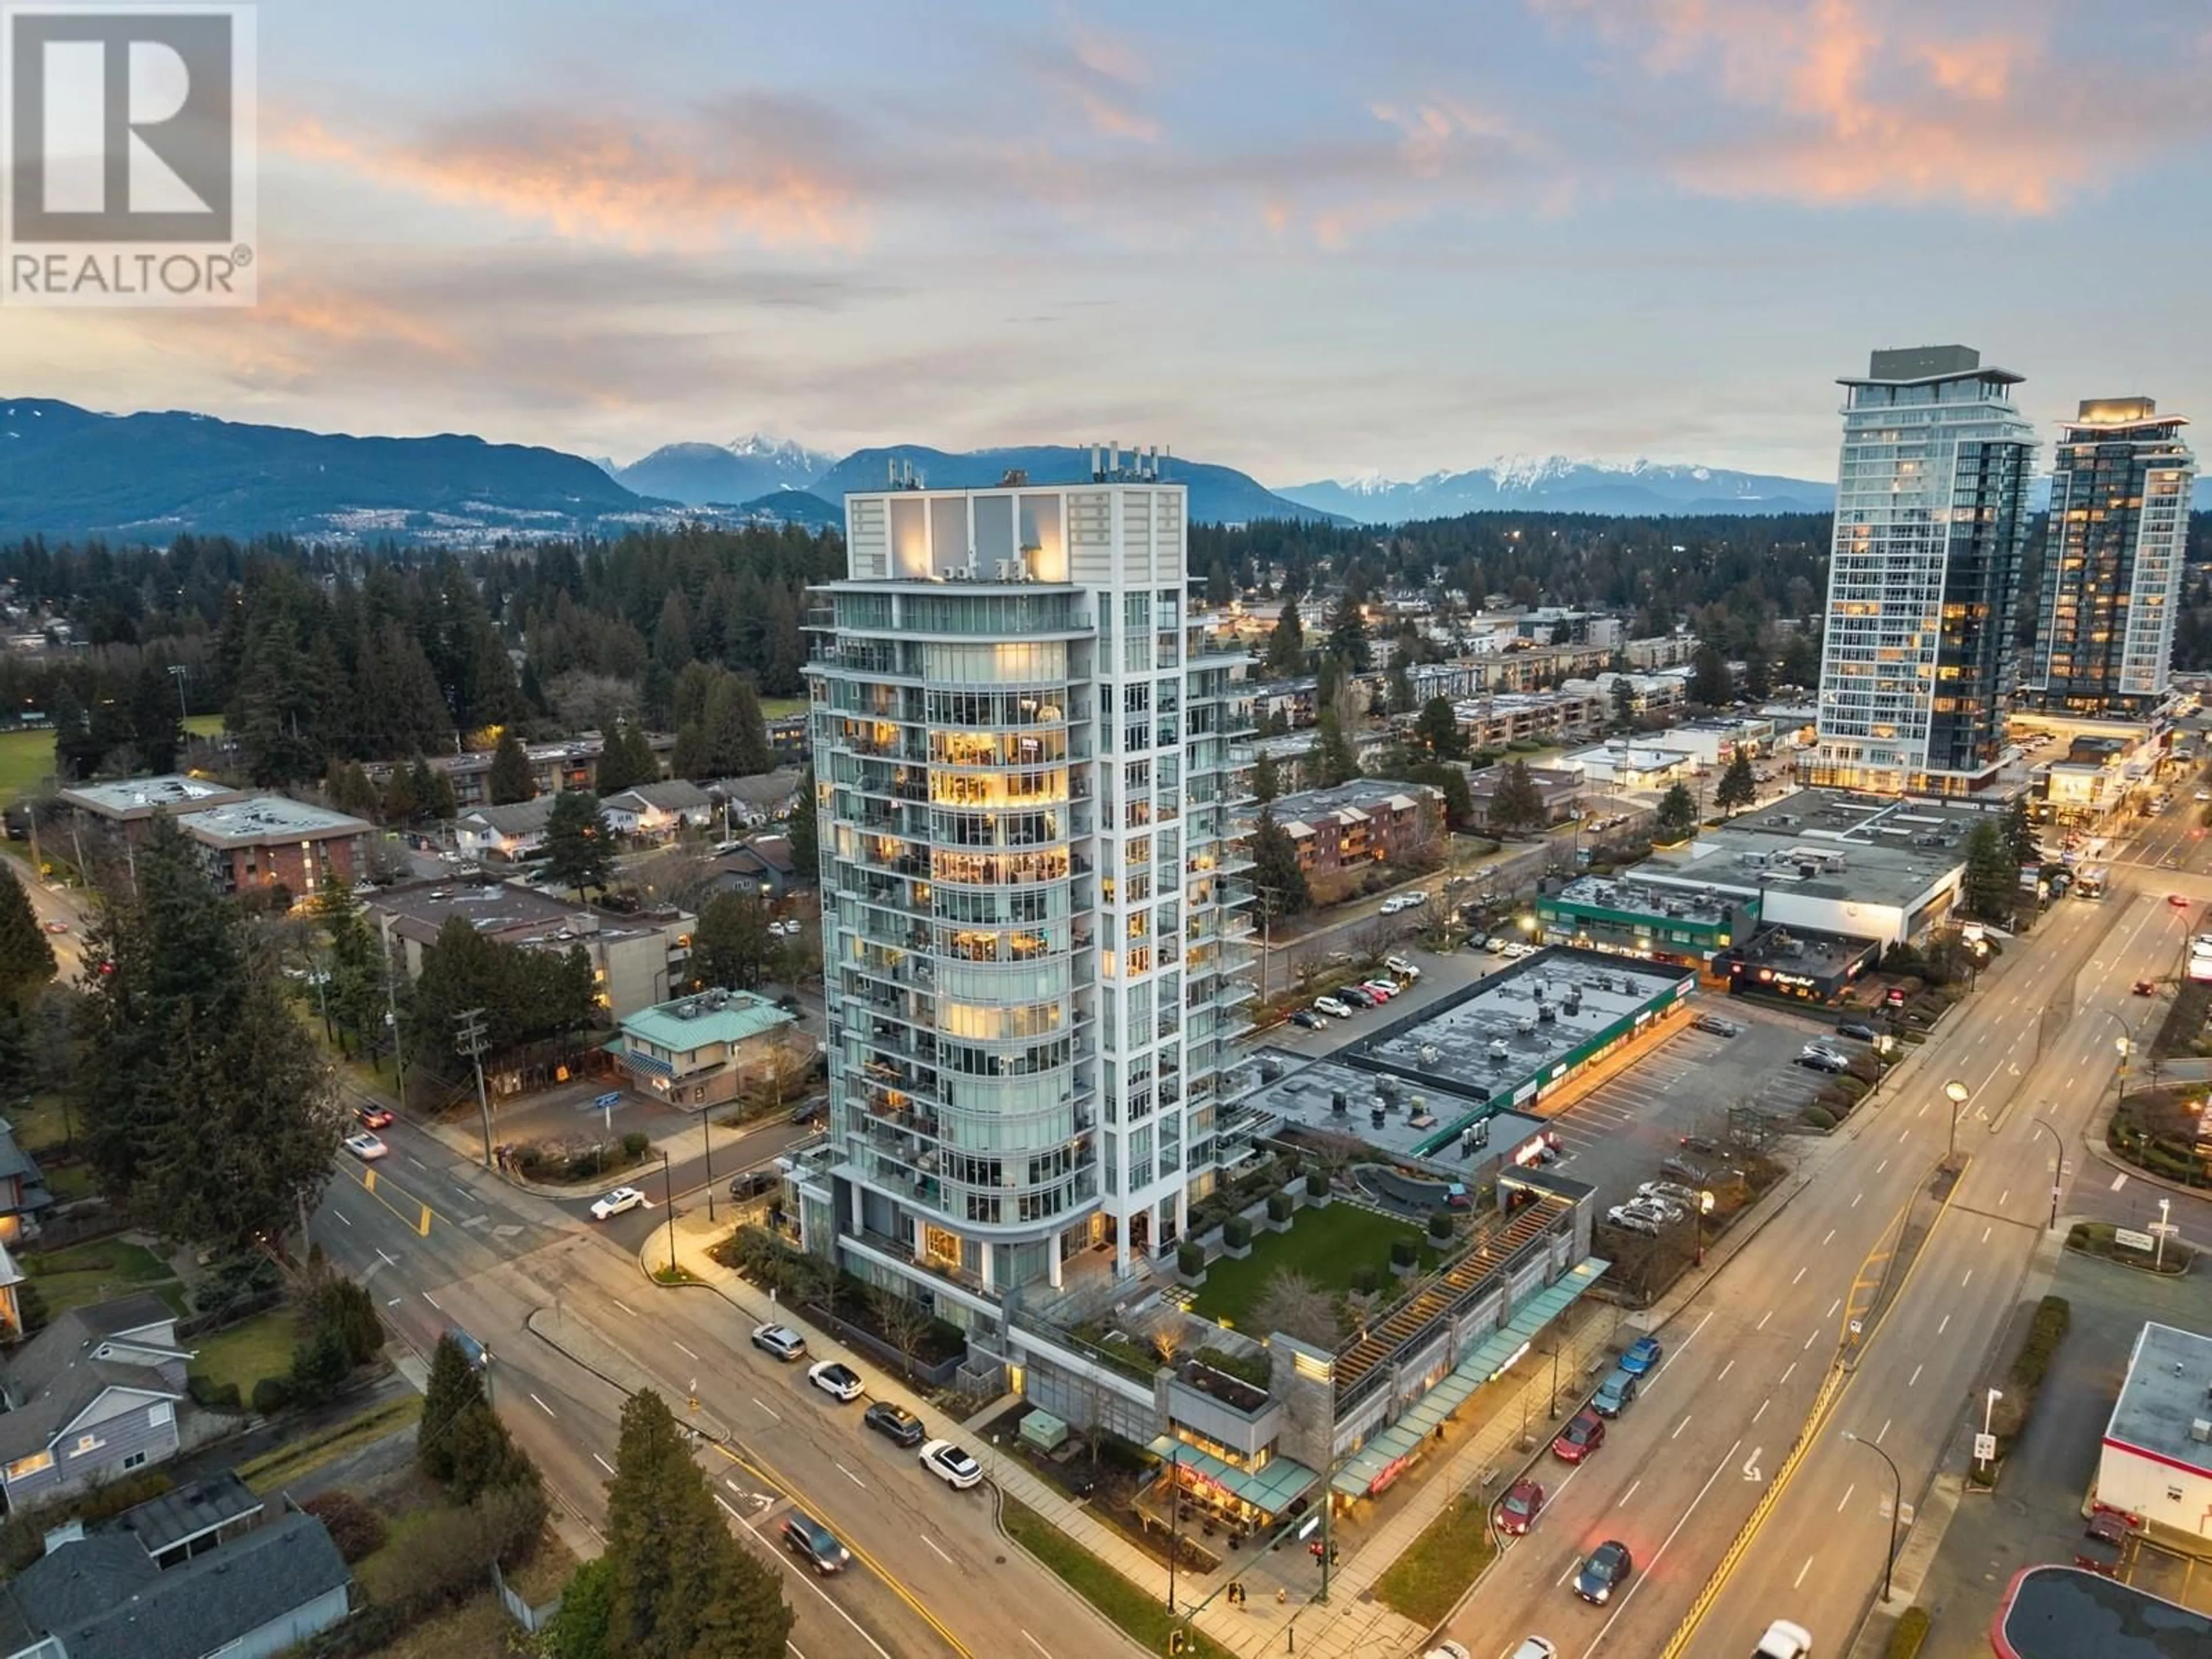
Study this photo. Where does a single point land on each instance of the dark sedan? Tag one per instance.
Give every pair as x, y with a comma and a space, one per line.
1606, 1571
895, 1423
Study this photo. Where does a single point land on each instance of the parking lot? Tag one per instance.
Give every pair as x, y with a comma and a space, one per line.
1619, 1133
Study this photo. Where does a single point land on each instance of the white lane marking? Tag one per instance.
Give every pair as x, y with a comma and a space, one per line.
1967, 1280
1846, 1498
1630, 1493
1834, 1307
1679, 1428
1915, 1377
850, 1476
1922, 1112
415, 1161
603, 1463
1798, 1582
389, 1260
542, 1406
1725, 1370
432, 1300
341, 1215
1763, 1318
625, 1307
1880, 1167
2118, 1181
1786, 1374
941, 1555
1038, 1646
1854, 1202
1719, 1469
1987, 1230
756, 1400
1761, 1411
2003, 1195
1802, 1271
395, 1302
1945, 1325
681, 1349
1830, 1239
1884, 1429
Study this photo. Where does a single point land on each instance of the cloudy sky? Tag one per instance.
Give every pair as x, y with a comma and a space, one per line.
1303, 238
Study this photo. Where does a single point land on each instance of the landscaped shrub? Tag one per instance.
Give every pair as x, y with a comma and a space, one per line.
1366, 1281
31, 1306
356, 1528
1317, 1184
1279, 1207
1818, 1117
1251, 1368
1404, 1253
1236, 1232
1908, 1633
1190, 1260
1440, 1225
212, 1396
2053, 1314
271, 1394
636, 1145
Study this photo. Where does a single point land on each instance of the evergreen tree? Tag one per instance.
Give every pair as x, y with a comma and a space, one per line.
511, 780
355, 992
1451, 781
1348, 634
483, 1455
578, 843
27, 955
157, 730
1739, 786
1711, 683
579, 1630
2019, 835
1266, 778
452, 1389
1333, 759
680, 1587
1401, 684
1219, 590
625, 760
1992, 877
737, 736
1287, 645
1517, 807
804, 829
731, 944
1624, 702
1437, 728
1677, 817
1800, 660
439, 802
1276, 875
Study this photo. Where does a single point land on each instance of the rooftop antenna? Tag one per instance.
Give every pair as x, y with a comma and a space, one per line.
1097, 472
890, 471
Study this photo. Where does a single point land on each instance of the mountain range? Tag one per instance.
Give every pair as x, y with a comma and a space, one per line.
1556, 483
696, 474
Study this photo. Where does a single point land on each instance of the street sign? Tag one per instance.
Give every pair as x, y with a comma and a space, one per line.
607, 1102
1985, 1449
2133, 1240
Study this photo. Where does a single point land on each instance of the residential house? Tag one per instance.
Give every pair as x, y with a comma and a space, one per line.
92, 1397
23, 1194
759, 800
570, 763
1560, 790
700, 1051
758, 864
200, 1571
657, 810
503, 832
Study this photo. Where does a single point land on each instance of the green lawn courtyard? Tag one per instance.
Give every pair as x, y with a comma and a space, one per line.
99, 1272
1328, 1246
249, 1351
26, 758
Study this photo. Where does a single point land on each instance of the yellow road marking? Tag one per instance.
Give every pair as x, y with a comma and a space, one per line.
420, 1223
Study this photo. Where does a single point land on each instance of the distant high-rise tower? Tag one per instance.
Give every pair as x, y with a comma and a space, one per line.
1931, 518
1032, 765
2111, 561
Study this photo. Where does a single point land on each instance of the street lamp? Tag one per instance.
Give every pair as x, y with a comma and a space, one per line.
1896, 1504
2058, 1164
1957, 1094
2158, 1257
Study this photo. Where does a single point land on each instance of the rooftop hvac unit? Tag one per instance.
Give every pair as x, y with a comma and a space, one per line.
1546, 1013
1430, 1054
1498, 1053
1527, 1028
1338, 1105
2199, 1430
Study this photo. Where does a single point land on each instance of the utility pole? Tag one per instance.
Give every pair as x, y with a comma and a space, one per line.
392, 1018
668, 1202
706, 1139
471, 1042
180, 673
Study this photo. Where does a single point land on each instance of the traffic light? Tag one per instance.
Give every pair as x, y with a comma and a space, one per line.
1177, 1641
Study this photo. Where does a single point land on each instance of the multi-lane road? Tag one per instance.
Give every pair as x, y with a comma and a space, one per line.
1747, 1355
441, 1245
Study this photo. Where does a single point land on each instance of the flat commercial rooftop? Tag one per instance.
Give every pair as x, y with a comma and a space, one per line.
1891, 852
1517, 1033
264, 819
1627, 895
2165, 1393
506, 911
1414, 1116
136, 798
2068, 1613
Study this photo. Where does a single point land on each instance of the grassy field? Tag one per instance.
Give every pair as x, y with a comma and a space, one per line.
85, 1273
249, 1351
775, 708
1135, 1611
26, 758
1426, 1582
271, 1471
1327, 1246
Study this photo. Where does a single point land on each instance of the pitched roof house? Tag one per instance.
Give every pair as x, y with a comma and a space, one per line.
92, 1397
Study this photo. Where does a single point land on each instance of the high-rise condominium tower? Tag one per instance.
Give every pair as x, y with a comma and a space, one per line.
1031, 761
1931, 516
2112, 562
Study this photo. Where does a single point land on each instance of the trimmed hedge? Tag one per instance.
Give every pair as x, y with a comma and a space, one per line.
1190, 1259
1280, 1206
1317, 1184
1236, 1232
1440, 1225
2053, 1314
1907, 1634
1404, 1253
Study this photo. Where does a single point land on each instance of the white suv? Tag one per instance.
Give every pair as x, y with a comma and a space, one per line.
1784, 1640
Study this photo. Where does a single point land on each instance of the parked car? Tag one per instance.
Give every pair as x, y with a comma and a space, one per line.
1856, 1028
1495, 944
1822, 1060
365, 1146
780, 1341
2144, 988
1534, 1647
1330, 1006
1606, 1571
949, 1464
1518, 1510
812, 1543
622, 1198
839, 1381
1357, 997
1696, 1174
1784, 1640
1616, 1393
1643, 1355
2179, 901
1447, 1649
1380, 988
1585, 1434
894, 1422
1307, 1019
1715, 1025
1403, 969
1670, 1192
753, 1182
373, 1117
1634, 1221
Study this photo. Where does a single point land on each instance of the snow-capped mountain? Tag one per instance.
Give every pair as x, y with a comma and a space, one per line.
1560, 483
752, 466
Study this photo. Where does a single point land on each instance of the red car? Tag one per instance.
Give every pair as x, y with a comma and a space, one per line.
2179, 901
1518, 1510
1582, 1437
373, 1117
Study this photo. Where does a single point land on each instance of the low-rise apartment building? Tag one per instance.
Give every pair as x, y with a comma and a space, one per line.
703, 1050
1366, 821
249, 842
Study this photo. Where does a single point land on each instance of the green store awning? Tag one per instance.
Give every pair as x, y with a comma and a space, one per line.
1482, 1364
1271, 1490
